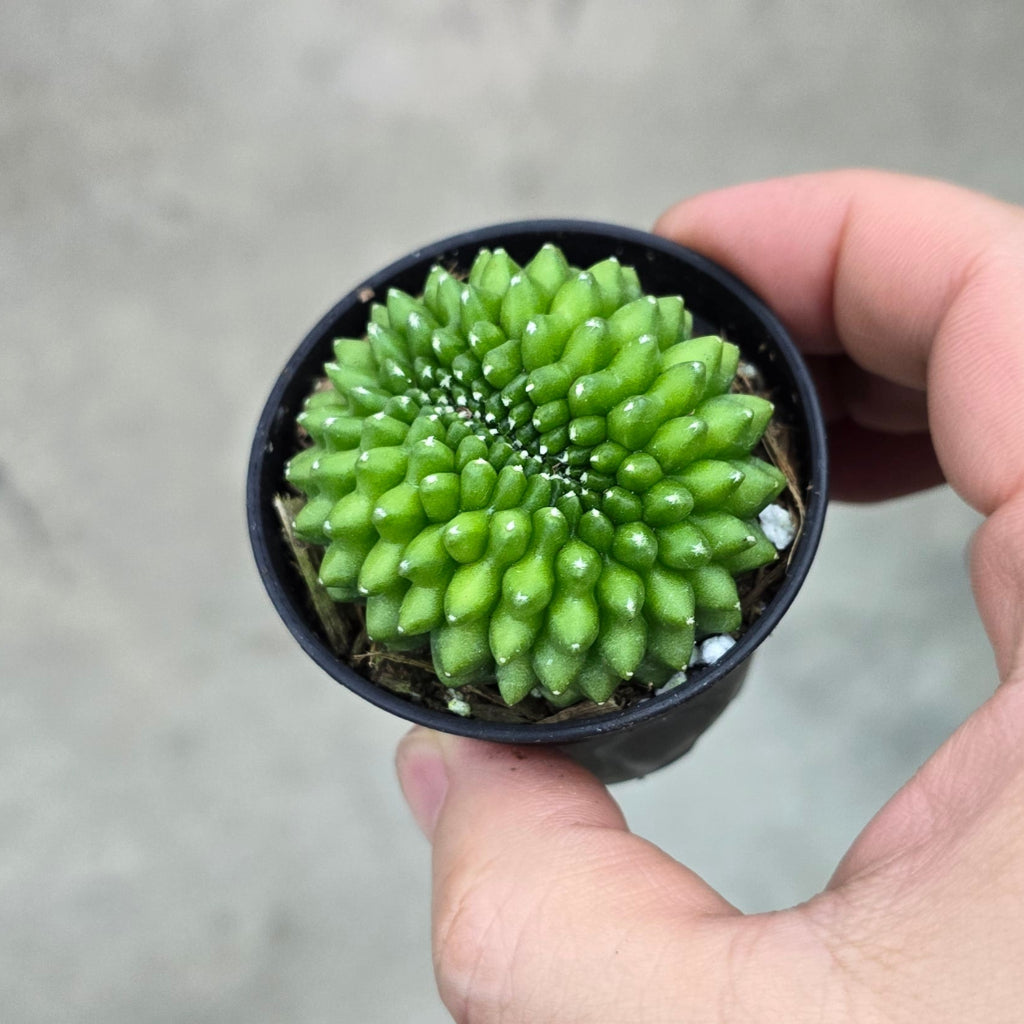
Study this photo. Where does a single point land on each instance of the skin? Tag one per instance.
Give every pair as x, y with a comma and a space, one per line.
907, 296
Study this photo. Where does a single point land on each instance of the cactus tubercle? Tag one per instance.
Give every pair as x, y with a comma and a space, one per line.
538, 473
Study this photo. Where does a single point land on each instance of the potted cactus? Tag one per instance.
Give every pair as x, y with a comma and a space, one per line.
548, 482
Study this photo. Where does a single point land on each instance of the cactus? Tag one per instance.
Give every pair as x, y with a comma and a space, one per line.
538, 472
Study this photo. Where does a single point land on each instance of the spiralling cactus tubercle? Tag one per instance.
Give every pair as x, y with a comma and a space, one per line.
538, 472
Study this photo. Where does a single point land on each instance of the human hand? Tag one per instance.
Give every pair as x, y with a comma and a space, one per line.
908, 298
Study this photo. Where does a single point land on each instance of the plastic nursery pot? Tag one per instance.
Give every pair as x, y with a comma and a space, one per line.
652, 730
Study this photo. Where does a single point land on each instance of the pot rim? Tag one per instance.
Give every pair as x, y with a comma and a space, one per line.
263, 524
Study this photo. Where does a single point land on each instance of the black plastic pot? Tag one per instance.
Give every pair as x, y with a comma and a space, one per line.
621, 744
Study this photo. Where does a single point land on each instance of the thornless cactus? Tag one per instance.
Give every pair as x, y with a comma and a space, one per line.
540, 473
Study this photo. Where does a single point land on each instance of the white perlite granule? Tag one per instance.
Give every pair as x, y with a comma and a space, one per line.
676, 679
779, 526
712, 649
458, 706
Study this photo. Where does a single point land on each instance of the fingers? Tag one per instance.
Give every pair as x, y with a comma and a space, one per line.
997, 569
920, 287
879, 443
916, 282
545, 906
870, 465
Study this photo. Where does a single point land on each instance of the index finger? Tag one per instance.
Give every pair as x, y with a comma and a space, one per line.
921, 285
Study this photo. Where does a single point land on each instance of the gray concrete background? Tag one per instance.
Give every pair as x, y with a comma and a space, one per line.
195, 824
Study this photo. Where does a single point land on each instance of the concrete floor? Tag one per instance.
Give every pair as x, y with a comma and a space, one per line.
195, 824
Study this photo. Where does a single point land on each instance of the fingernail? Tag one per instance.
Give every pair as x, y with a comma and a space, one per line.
423, 776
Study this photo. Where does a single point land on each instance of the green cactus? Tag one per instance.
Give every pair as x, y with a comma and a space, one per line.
538, 472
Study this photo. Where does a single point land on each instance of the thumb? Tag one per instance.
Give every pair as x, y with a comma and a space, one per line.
547, 908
